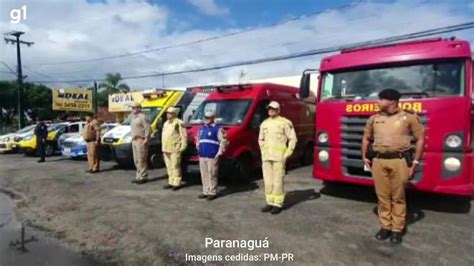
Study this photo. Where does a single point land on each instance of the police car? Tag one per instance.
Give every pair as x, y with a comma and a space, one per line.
74, 145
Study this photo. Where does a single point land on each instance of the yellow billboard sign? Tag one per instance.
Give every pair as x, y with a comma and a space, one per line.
76, 100
121, 102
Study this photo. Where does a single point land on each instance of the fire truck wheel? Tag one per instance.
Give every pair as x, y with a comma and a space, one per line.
307, 158
156, 161
462, 203
242, 171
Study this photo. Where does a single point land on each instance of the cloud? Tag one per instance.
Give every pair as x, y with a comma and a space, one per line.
75, 30
210, 8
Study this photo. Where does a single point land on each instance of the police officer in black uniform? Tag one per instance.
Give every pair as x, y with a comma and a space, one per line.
41, 133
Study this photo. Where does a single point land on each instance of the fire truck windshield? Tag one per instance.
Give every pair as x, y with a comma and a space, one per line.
422, 80
228, 112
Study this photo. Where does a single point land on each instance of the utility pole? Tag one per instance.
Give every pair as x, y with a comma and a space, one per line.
94, 97
17, 41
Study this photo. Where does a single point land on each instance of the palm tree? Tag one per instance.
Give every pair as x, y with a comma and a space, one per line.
112, 84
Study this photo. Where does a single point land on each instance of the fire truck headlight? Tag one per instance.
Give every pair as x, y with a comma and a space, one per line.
323, 137
323, 156
453, 141
452, 164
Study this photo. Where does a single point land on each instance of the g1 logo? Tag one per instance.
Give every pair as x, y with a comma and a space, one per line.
16, 15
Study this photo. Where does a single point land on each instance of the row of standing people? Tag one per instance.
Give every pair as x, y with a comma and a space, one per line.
387, 132
277, 140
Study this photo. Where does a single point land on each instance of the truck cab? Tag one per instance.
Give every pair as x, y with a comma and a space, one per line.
435, 79
117, 143
240, 109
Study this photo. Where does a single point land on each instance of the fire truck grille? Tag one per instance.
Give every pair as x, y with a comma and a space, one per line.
352, 131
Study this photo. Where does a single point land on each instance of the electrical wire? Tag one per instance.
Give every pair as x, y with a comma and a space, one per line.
376, 42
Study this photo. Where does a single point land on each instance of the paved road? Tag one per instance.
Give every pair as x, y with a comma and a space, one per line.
39, 249
105, 214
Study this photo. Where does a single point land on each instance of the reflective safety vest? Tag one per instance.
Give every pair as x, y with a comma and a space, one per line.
209, 141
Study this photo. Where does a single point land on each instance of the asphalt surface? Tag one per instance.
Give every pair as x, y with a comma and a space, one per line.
37, 248
105, 215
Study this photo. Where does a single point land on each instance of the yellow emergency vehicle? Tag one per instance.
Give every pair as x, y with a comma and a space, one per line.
117, 143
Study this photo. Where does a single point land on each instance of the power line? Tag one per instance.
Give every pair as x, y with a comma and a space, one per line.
9, 68
386, 40
327, 37
201, 40
43, 74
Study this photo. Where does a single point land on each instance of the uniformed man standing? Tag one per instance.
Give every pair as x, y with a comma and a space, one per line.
91, 135
141, 132
41, 133
211, 143
277, 140
174, 141
393, 163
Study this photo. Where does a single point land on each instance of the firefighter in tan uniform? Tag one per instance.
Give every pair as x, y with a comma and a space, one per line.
393, 162
211, 143
277, 140
91, 135
141, 132
174, 140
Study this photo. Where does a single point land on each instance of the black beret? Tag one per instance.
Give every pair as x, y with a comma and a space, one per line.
390, 94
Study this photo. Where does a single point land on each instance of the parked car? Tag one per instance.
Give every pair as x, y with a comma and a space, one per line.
9, 142
27, 144
74, 145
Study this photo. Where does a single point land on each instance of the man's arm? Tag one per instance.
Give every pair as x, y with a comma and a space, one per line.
184, 136
418, 132
420, 147
222, 137
147, 127
292, 139
368, 131
97, 132
261, 136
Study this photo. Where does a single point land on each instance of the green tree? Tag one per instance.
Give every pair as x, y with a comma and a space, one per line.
8, 102
112, 84
37, 100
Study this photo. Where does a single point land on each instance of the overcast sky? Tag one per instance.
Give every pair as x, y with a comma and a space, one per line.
69, 30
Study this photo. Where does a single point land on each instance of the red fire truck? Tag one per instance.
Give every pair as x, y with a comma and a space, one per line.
435, 78
240, 109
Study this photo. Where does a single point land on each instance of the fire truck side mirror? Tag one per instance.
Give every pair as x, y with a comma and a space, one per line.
304, 84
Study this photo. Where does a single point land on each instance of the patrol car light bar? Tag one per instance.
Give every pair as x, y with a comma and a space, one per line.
219, 88
206, 89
